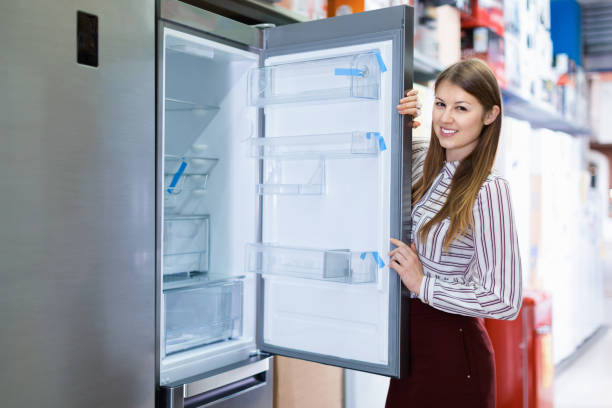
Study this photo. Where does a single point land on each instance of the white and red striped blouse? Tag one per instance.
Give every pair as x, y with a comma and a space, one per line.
480, 274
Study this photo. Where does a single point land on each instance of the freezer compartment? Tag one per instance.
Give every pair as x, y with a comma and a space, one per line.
185, 177
186, 245
340, 265
324, 146
202, 315
282, 177
348, 76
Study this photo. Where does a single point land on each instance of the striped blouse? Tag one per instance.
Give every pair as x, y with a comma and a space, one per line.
480, 274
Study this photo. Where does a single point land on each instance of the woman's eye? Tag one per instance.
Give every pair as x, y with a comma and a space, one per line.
440, 104
462, 108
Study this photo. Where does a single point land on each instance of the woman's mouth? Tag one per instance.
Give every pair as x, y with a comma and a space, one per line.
447, 132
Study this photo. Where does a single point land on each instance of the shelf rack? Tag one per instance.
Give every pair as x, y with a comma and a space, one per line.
324, 146
355, 76
341, 265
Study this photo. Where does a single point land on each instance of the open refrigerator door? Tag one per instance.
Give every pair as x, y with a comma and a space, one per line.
331, 156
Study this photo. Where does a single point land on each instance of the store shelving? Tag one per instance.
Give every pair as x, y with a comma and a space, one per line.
539, 115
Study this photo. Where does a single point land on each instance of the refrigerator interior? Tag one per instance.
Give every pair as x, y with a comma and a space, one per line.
209, 207
326, 200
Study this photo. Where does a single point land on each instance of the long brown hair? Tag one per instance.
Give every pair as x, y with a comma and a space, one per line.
474, 77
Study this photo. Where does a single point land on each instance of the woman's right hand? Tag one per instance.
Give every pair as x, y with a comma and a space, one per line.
410, 105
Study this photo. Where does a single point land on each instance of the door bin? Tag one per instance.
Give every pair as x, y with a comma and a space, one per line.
523, 354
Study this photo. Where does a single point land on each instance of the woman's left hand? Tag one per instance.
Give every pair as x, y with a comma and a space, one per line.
405, 261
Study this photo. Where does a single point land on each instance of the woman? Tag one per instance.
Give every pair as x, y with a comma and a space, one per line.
463, 263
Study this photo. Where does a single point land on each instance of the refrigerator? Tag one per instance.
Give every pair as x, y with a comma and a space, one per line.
283, 169
77, 203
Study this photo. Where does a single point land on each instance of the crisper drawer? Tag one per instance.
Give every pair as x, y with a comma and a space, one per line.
203, 314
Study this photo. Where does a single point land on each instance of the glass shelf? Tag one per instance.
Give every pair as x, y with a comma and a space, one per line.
186, 243
184, 122
326, 146
279, 178
349, 76
201, 315
183, 177
330, 265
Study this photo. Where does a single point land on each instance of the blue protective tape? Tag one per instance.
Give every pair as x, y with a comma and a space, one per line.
378, 259
348, 72
177, 176
381, 141
381, 63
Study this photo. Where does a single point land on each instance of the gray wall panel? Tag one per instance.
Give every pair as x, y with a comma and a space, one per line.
77, 180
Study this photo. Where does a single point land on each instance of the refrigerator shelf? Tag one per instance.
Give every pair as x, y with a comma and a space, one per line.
186, 244
179, 105
341, 265
323, 146
184, 122
184, 177
194, 279
280, 178
344, 77
200, 315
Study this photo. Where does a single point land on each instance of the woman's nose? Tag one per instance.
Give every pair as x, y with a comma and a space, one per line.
447, 116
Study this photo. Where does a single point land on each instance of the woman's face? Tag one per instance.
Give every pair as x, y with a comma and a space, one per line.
458, 119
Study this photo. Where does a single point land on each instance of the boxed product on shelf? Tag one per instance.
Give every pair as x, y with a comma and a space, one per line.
543, 13
486, 13
486, 44
512, 13
513, 62
448, 30
312, 9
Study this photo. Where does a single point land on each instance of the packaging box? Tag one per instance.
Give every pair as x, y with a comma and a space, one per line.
313, 9
486, 44
486, 13
303, 384
513, 62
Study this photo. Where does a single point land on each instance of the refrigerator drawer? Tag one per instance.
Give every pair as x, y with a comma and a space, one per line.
201, 315
349, 76
186, 245
330, 265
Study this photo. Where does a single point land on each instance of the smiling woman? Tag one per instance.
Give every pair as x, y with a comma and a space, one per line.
458, 119
463, 263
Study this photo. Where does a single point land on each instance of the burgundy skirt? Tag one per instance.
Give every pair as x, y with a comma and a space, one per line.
451, 362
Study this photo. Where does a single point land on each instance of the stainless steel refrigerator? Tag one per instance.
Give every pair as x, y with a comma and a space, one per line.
183, 196
77, 203
280, 181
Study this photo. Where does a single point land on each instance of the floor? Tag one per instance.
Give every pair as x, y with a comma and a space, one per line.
587, 381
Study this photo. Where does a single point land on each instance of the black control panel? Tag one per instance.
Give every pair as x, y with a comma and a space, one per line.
87, 39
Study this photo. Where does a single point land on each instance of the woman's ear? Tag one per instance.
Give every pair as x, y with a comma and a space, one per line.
491, 115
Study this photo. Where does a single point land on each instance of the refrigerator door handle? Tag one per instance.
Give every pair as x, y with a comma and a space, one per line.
229, 390
226, 384
227, 378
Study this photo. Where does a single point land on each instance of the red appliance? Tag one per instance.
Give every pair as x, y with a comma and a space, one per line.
523, 354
